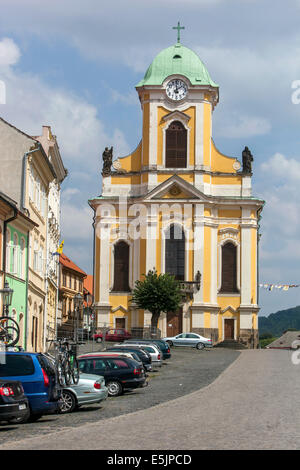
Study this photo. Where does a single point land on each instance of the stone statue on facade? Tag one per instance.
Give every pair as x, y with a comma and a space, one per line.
107, 156
247, 161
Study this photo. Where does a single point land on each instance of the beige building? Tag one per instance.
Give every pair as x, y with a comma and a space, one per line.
26, 175
51, 148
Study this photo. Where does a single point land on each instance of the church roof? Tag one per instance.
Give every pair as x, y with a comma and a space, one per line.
180, 60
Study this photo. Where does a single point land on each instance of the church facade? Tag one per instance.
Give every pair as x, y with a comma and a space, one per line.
177, 204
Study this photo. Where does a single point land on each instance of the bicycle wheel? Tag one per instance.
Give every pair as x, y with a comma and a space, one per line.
75, 371
10, 331
60, 373
67, 373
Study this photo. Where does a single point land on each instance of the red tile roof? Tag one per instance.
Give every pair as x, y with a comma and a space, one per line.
88, 283
65, 261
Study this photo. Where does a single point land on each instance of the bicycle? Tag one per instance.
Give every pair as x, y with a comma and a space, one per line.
66, 362
9, 331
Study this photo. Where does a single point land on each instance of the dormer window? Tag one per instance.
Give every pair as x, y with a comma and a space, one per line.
176, 145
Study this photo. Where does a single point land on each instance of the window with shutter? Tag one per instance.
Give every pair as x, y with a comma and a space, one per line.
176, 146
175, 252
121, 267
229, 267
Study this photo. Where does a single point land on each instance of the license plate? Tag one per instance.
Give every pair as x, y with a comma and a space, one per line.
22, 407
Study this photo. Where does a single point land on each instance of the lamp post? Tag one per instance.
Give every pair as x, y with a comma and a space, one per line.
78, 301
6, 294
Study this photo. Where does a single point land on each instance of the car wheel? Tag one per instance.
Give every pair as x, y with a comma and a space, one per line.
67, 402
170, 343
200, 346
99, 340
22, 419
114, 388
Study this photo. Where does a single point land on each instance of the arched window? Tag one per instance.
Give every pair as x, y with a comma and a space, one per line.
176, 145
175, 252
229, 268
121, 267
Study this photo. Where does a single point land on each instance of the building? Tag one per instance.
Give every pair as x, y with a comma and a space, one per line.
71, 280
180, 205
15, 229
25, 177
51, 149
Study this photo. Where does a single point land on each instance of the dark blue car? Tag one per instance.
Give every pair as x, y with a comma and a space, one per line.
37, 375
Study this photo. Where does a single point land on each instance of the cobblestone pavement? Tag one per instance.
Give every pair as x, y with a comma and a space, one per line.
186, 371
253, 404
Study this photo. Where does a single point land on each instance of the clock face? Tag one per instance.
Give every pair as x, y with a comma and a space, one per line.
176, 89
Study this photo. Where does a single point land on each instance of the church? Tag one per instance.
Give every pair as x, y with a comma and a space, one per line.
179, 205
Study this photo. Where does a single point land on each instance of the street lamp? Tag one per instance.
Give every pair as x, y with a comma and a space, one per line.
78, 302
7, 294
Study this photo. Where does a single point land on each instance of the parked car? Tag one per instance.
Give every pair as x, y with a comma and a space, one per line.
120, 373
154, 352
132, 355
37, 375
117, 335
143, 355
189, 339
14, 405
97, 336
163, 345
90, 389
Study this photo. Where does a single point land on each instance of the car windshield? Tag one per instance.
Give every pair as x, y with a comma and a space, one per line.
15, 365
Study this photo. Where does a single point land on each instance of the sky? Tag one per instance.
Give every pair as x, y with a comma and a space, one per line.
74, 65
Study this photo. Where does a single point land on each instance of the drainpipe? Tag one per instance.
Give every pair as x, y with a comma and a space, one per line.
26, 300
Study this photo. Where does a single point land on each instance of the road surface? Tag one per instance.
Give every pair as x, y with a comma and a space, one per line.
253, 404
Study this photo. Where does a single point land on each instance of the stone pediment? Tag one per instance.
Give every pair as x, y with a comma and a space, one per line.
175, 188
176, 115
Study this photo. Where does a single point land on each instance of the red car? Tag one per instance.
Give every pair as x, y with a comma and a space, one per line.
98, 336
117, 335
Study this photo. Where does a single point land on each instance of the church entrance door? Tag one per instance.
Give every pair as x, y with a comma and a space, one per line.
120, 323
174, 322
229, 329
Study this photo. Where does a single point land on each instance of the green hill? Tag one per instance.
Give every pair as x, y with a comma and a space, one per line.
277, 323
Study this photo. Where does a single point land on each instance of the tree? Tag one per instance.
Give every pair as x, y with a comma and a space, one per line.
157, 293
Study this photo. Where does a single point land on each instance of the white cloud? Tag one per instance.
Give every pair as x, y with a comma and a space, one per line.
237, 126
284, 168
9, 52
76, 222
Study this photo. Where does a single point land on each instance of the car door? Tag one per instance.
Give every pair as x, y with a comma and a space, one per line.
192, 339
180, 340
118, 369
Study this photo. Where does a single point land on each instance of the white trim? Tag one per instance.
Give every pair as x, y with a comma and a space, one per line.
126, 322
235, 325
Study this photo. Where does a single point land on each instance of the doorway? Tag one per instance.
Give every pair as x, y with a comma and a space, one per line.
229, 328
120, 323
174, 322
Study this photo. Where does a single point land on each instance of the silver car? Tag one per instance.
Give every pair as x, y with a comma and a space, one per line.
90, 389
153, 350
192, 340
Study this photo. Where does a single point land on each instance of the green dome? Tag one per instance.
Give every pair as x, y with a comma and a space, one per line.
180, 60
